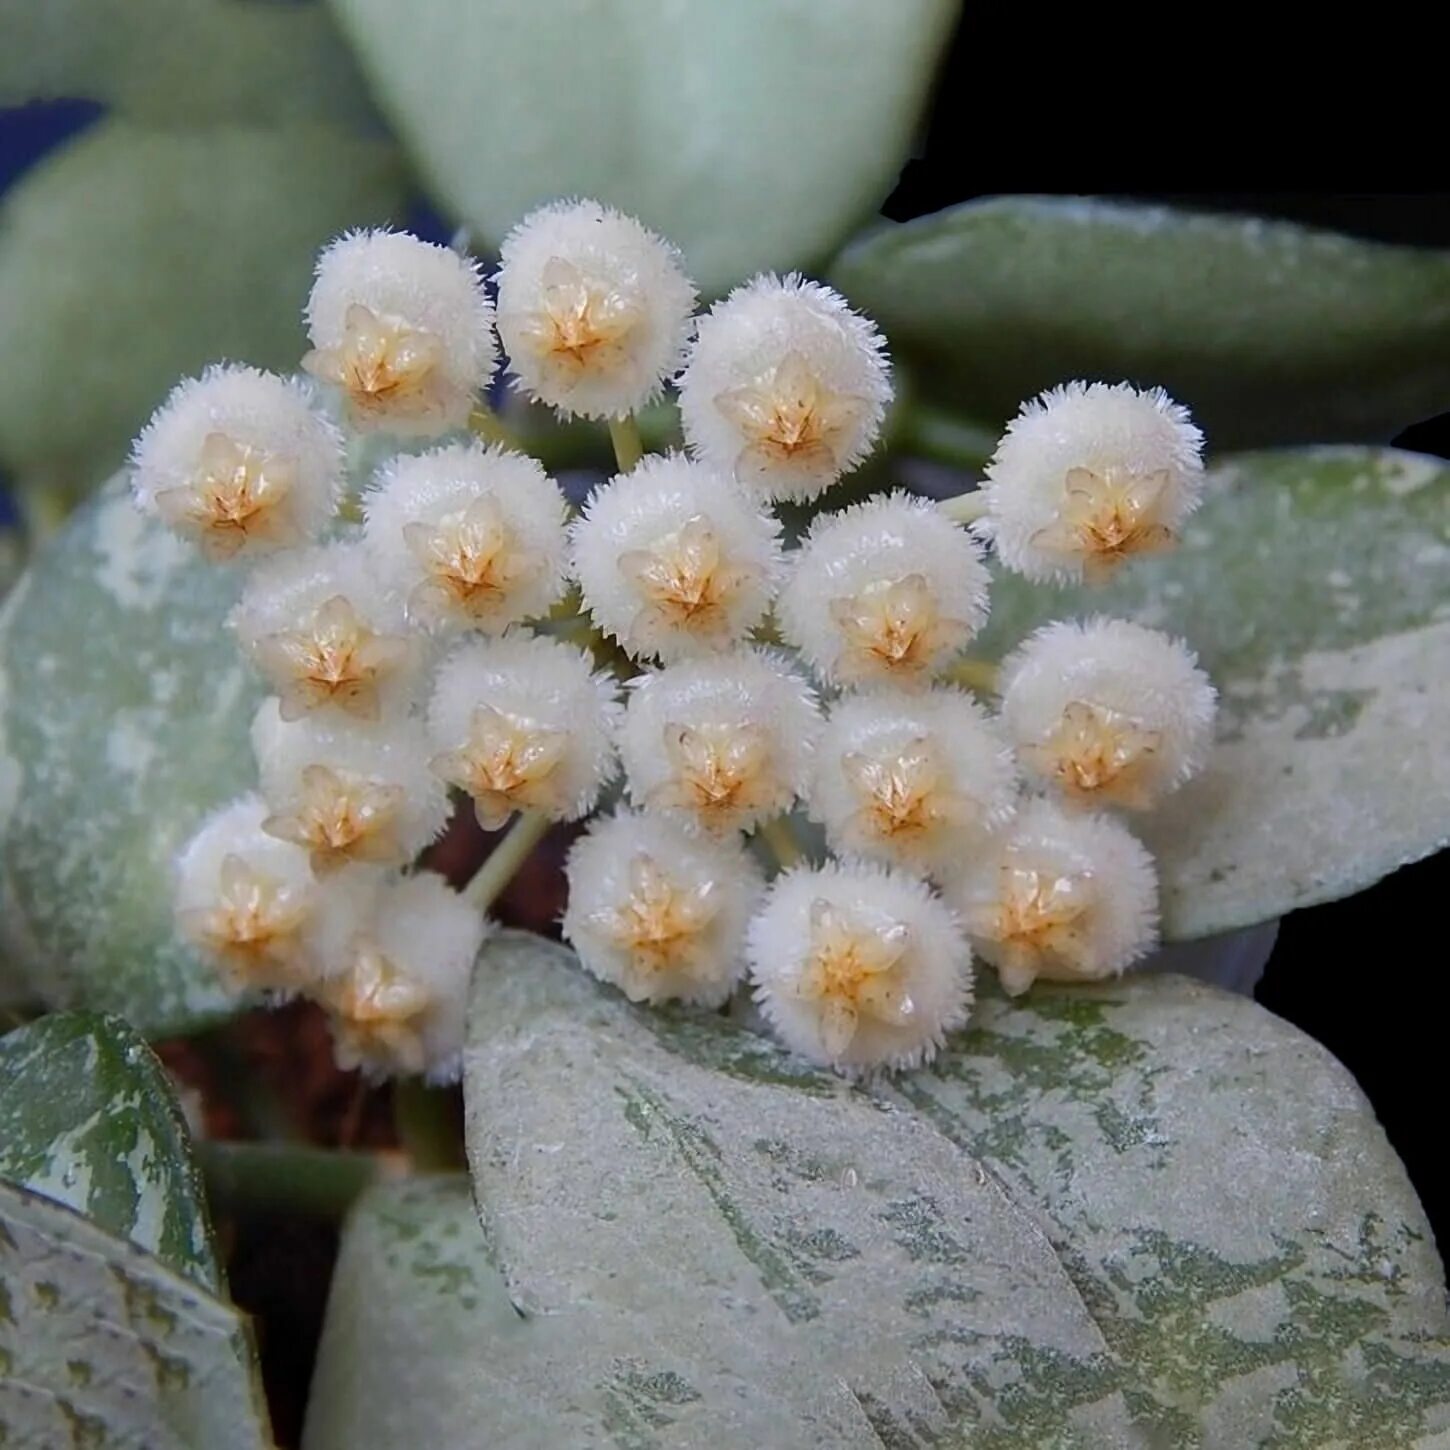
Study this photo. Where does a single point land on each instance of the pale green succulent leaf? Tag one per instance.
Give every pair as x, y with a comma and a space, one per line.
89, 1118
1272, 333
753, 134
133, 257
124, 716
1314, 586
103, 1345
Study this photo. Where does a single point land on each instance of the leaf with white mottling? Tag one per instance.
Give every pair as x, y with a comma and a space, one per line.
754, 134
1315, 586
1219, 1191
102, 1345
124, 712
133, 257
1272, 333
184, 61
89, 1118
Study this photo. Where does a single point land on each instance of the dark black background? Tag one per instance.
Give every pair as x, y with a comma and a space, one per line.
1367, 975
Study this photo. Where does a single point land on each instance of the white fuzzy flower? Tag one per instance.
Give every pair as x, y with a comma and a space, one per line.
245, 898
659, 910
674, 560
348, 792
238, 462
785, 387
523, 722
317, 624
1066, 896
726, 742
916, 780
471, 537
1087, 475
593, 308
884, 592
404, 328
398, 996
1108, 712
859, 967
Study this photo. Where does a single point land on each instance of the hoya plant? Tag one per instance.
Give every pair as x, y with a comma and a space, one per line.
727, 860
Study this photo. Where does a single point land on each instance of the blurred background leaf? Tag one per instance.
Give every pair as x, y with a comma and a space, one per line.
1271, 333
754, 134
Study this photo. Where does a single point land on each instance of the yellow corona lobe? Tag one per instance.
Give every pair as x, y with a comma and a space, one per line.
722, 773
789, 418
507, 763
238, 494
472, 560
852, 971
893, 629
341, 817
377, 1014
1098, 755
1038, 923
1106, 517
336, 660
686, 581
660, 923
902, 793
579, 327
384, 366
253, 929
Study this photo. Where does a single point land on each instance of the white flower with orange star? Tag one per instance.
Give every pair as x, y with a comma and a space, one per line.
239, 462
916, 780
593, 309
396, 984
403, 328
1066, 896
785, 387
673, 560
883, 592
859, 966
1089, 475
326, 636
523, 723
723, 743
1107, 712
348, 793
246, 899
660, 910
473, 538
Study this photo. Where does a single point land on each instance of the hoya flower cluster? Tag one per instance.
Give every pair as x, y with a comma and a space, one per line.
420, 643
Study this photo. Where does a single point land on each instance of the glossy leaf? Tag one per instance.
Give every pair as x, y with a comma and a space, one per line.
89, 1118
133, 257
124, 711
753, 134
1061, 1236
1270, 332
103, 1345
1315, 587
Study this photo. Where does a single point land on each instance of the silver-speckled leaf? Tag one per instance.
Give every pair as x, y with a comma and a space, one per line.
135, 256
1149, 1214
124, 710
1272, 333
102, 1345
186, 61
89, 1118
753, 134
1315, 587
1225, 1204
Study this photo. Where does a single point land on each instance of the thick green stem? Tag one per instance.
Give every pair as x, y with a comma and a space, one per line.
286, 1178
979, 675
427, 1126
965, 508
944, 437
778, 836
628, 445
487, 425
506, 858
